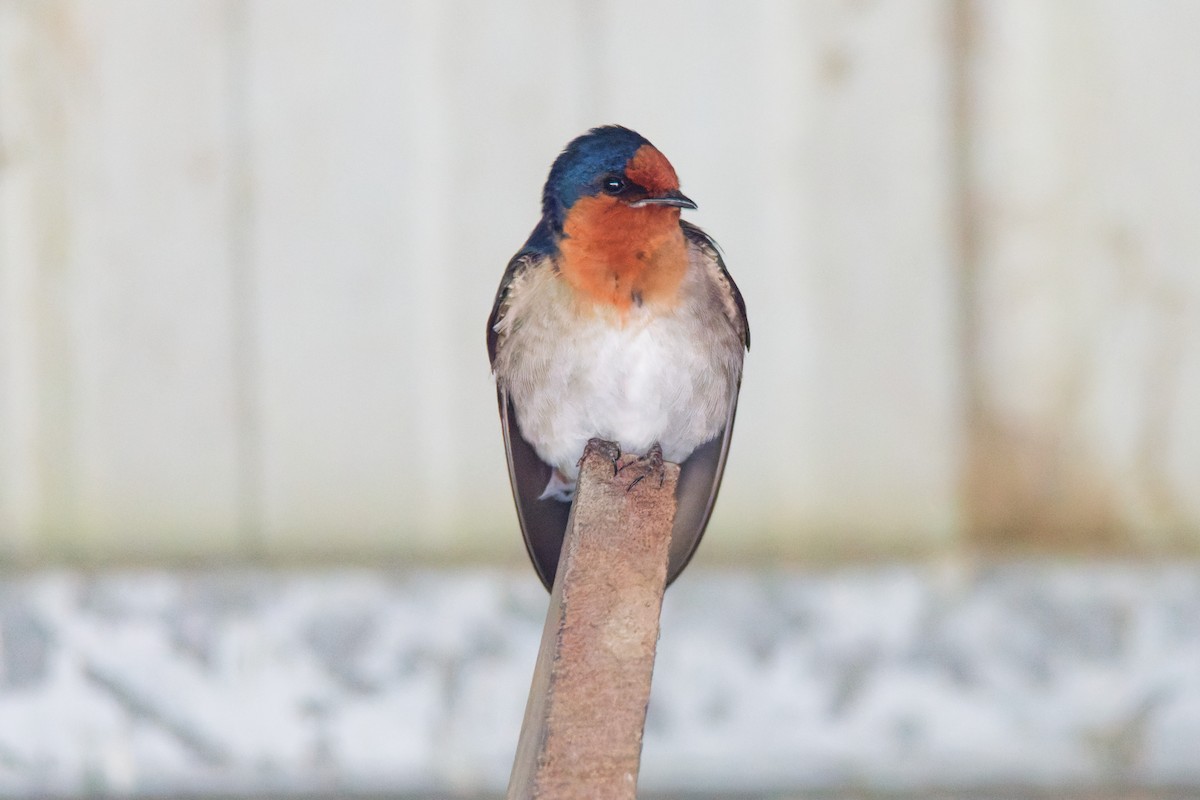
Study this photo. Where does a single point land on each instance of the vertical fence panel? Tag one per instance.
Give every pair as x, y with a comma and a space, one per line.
21, 240
1085, 202
332, 160
116, 222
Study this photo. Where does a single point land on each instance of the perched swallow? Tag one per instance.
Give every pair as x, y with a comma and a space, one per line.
617, 321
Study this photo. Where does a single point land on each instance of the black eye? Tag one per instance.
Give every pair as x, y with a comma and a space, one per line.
613, 184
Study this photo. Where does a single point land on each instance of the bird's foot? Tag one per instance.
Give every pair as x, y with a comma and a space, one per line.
602, 447
650, 465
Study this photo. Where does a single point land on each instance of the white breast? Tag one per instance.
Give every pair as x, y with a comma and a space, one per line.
658, 375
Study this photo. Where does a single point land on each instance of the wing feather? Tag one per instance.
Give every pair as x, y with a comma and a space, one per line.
701, 473
543, 522
735, 306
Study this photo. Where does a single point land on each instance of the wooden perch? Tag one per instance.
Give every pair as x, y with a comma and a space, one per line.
582, 735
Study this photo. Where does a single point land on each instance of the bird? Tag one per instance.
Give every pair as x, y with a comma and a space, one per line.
616, 324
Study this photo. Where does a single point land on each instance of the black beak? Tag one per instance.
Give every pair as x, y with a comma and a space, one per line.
672, 198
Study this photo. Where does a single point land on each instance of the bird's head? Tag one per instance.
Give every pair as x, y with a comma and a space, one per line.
618, 168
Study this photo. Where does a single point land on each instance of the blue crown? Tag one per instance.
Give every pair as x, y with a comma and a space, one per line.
578, 170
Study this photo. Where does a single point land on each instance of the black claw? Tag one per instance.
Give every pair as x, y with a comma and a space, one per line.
610, 450
650, 464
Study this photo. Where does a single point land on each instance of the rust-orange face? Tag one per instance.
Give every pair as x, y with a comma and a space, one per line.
613, 201
650, 172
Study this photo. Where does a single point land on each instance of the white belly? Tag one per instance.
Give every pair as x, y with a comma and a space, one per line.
655, 379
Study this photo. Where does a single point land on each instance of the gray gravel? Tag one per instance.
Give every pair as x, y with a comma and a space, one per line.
347, 683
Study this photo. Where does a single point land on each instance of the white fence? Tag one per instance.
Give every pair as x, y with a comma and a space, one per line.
247, 250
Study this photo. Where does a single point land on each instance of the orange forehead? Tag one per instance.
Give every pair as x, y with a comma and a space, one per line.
650, 169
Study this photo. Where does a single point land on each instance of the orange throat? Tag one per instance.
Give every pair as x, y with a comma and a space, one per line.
620, 257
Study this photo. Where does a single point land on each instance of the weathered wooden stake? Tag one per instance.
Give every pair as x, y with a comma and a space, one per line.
582, 735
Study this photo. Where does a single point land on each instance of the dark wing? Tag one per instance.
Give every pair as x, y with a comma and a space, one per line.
735, 307
699, 481
539, 247
543, 522
701, 472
